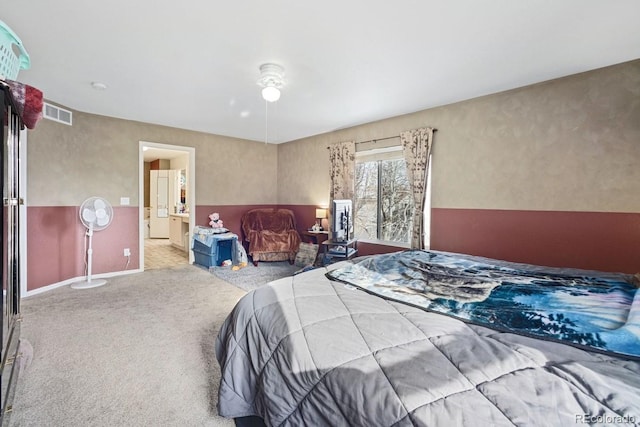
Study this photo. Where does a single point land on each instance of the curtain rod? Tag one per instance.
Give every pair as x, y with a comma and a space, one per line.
383, 139
374, 140
378, 139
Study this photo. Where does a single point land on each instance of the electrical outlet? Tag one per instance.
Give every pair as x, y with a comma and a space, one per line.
127, 252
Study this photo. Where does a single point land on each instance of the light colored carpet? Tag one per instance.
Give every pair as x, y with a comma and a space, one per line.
138, 351
251, 277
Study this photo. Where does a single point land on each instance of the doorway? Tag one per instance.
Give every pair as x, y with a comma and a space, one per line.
161, 252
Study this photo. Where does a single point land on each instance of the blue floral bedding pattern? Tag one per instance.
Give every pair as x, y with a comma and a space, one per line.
588, 309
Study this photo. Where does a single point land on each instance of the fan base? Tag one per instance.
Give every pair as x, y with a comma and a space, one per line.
85, 284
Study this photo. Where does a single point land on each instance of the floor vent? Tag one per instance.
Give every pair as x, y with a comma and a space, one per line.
57, 114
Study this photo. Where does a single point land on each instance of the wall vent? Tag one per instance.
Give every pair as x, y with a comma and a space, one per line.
57, 114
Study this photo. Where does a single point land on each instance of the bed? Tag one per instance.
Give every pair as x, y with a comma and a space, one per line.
434, 338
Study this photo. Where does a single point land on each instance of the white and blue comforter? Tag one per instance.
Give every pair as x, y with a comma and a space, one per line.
309, 351
595, 310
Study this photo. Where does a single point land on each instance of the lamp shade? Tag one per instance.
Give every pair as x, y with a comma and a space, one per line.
321, 213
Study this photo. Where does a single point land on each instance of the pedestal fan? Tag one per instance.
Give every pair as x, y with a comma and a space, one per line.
95, 214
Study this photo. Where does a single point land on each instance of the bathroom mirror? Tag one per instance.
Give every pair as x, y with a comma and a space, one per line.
183, 186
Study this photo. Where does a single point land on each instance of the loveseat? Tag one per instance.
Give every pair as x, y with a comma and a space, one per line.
271, 234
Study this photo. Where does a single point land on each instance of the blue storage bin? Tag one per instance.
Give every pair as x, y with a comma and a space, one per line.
212, 250
204, 260
198, 246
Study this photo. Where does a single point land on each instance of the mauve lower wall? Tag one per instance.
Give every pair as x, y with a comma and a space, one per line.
56, 250
230, 215
591, 240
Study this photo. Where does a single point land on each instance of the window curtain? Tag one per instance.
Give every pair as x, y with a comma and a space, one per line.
342, 158
416, 148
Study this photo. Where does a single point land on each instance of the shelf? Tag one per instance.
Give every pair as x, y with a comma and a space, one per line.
335, 254
334, 251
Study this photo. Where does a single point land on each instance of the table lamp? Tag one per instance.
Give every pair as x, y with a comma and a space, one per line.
321, 219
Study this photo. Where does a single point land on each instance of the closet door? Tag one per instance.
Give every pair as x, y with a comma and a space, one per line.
159, 218
10, 252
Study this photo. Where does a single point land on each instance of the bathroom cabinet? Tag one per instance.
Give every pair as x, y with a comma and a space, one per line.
178, 226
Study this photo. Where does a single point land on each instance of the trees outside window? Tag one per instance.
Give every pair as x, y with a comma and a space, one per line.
383, 205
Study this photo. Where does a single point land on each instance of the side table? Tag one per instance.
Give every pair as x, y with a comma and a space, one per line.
315, 237
338, 251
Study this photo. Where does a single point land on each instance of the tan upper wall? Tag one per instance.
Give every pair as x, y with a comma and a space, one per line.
571, 144
568, 144
99, 156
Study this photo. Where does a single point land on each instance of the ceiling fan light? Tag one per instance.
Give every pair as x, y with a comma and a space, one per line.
271, 94
271, 80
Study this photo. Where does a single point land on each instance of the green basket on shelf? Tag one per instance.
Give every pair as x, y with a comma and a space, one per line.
13, 56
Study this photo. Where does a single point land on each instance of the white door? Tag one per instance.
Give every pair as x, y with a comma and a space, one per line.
159, 212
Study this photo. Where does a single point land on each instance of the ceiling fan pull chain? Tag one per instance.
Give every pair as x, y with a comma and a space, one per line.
266, 122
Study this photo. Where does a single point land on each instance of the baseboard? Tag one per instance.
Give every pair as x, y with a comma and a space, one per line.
77, 279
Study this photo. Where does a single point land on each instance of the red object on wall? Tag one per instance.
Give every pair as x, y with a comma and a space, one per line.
29, 102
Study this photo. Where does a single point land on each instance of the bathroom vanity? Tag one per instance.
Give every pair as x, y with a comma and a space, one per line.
178, 227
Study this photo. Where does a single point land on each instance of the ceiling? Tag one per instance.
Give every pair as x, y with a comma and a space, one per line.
150, 154
194, 64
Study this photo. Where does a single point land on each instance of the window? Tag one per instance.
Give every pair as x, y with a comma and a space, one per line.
383, 207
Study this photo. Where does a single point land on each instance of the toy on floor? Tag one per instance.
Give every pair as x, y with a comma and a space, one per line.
241, 255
